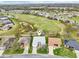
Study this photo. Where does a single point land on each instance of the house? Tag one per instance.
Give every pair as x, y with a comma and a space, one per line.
3, 17
72, 44
53, 43
7, 24
38, 41
24, 41
8, 42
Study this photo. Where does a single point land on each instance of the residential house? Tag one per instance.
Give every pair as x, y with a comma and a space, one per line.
53, 43
38, 41
3, 17
8, 42
24, 41
72, 44
7, 23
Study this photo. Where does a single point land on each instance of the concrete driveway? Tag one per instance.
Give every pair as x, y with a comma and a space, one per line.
51, 50
77, 53
34, 51
26, 50
1, 52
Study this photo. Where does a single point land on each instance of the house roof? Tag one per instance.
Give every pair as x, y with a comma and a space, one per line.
38, 39
74, 44
3, 17
52, 41
24, 39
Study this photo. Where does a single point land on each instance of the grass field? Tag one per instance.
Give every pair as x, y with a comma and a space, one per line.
39, 22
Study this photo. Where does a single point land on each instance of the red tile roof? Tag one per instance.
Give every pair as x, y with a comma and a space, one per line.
53, 41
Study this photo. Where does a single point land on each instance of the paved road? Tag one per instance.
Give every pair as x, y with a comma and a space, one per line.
30, 56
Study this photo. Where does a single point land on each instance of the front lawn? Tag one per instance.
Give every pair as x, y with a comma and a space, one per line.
65, 52
14, 51
43, 50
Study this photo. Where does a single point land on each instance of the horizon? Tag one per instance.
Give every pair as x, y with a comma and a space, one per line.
37, 1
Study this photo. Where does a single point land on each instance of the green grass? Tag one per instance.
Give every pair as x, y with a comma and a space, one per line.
65, 52
1, 24
30, 47
43, 50
75, 19
40, 22
14, 51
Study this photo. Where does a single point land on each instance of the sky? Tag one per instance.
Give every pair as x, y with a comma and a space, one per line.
53, 1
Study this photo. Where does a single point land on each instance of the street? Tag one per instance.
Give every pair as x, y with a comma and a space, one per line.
30, 56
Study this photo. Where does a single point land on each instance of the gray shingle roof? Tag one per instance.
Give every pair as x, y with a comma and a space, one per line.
74, 44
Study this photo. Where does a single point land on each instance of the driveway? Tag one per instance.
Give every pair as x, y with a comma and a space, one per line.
51, 50
34, 51
25, 50
77, 53
1, 52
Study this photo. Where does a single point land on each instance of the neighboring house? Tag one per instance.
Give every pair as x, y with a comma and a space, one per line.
9, 43
73, 44
3, 17
7, 24
38, 41
53, 43
24, 41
